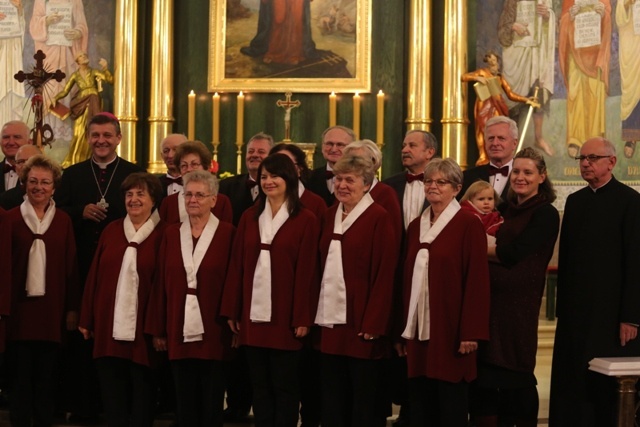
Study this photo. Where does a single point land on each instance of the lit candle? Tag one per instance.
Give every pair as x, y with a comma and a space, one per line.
216, 118
380, 119
356, 115
239, 129
191, 124
332, 109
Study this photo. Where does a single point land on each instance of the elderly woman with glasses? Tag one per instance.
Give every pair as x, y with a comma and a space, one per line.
183, 311
446, 301
191, 156
270, 295
505, 391
44, 292
354, 310
115, 300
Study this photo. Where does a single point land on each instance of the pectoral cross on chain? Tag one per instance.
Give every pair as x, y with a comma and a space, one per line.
288, 105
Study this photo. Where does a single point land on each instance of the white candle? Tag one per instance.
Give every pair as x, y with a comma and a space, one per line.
191, 124
332, 109
380, 119
216, 117
356, 115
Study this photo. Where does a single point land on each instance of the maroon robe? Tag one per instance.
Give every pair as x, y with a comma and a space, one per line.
100, 293
165, 314
42, 318
294, 291
386, 196
458, 298
171, 215
369, 262
5, 285
313, 202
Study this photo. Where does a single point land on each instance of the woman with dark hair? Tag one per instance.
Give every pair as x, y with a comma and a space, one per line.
505, 390
115, 301
309, 199
44, 292
183, 315
191, 156
270, 293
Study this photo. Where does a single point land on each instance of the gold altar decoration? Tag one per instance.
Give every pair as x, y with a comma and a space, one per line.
454, 92
419, 73
161, 94
221, 50
309, 149
380, 125
126, 68
288, 105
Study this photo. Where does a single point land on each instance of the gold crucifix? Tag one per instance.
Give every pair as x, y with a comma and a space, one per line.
288, 105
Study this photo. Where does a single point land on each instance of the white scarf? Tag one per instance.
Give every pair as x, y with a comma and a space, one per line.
125, 310
193, 327
419, 300
261, 296
37, 265
332, 304
182, 210
300, 188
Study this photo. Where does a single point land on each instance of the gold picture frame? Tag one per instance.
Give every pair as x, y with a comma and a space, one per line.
341, 61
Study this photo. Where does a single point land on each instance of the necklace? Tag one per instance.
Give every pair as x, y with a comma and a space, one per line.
103, 203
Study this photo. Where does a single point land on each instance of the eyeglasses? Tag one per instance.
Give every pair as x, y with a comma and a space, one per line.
44, 182
192, 164
439, 182
591, 158
330, 145
198, 196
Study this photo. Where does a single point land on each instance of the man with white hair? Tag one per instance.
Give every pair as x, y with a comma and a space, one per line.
15, 196
14, 135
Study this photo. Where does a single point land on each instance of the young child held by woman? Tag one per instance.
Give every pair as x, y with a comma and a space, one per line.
481, 199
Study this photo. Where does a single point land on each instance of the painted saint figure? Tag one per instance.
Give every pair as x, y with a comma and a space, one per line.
12, 99
527, 34
584, 62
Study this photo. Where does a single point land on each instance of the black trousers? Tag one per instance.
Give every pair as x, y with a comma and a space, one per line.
128, 392
276, 386
199, 391
438, 403
349, 391
33, 382
310, 387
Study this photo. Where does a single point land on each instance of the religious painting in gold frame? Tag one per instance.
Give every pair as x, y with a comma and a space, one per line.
278, 45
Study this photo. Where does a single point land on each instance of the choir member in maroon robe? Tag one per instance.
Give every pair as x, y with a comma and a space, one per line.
446, 301
354, 310
5, 285
505, 390
190, 156
183, 313
115, 300
270, 295
44, 293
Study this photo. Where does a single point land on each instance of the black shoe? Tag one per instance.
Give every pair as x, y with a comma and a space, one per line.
83, 420
232, 415
401, 422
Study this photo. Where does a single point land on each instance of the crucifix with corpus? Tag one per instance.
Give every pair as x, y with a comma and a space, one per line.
41, 134
288, 105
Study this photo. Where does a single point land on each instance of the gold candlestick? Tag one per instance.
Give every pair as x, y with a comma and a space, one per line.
356, 115
191, 123
332, 109
239, 130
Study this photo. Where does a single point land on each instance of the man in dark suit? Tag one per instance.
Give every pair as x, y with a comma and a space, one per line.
501, 141
334, 139
15, 196
418, 148
243, 189
172, 180
14, 135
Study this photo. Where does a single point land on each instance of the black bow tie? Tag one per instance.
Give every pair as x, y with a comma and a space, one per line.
495, 170
8, 167
172, 180
328, 174
251, 183
411, 177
